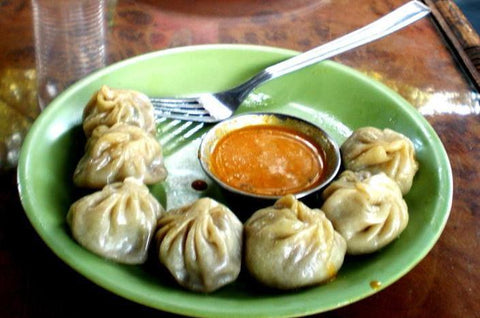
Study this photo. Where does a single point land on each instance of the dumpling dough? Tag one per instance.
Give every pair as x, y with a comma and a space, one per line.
109, 106
117, 222
289, 245
121, 151
367, 210
201, 245
376, 150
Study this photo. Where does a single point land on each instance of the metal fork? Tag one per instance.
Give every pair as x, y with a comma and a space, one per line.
214, 107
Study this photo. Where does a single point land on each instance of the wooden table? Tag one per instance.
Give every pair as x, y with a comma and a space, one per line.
429, 64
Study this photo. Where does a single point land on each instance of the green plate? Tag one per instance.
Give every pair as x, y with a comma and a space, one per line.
333, 96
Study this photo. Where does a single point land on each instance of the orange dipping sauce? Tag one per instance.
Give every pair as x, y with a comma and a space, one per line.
268, 160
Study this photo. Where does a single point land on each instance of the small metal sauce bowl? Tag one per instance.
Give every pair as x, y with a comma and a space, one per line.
215, 134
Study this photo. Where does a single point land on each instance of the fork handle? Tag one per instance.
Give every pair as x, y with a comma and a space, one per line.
393, 21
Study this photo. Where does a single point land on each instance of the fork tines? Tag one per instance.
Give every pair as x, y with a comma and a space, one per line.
181, 108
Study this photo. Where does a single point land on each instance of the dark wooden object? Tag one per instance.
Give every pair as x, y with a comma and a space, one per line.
460, 34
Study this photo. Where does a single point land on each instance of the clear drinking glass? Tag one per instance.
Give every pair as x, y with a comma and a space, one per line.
69, 43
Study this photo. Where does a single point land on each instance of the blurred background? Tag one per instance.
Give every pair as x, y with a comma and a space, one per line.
471, 9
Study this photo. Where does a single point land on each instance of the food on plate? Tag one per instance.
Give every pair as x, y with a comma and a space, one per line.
201, 245
290, 245
377, 150
109, 106
115, 153
286, 246
268, 160
118, 222
368, 210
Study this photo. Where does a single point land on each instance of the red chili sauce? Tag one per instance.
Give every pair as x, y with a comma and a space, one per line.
268, 160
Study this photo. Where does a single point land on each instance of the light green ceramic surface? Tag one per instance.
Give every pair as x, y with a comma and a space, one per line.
331, 95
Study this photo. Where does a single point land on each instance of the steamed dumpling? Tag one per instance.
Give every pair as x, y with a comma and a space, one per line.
118, 222
376, 150
121, 151
109, 106
367, 210
289, 245
201, 245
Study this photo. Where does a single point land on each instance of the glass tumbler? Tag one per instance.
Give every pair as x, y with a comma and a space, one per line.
69, 43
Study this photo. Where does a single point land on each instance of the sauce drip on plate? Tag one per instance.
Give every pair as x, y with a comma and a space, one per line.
199, 185
268, 160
